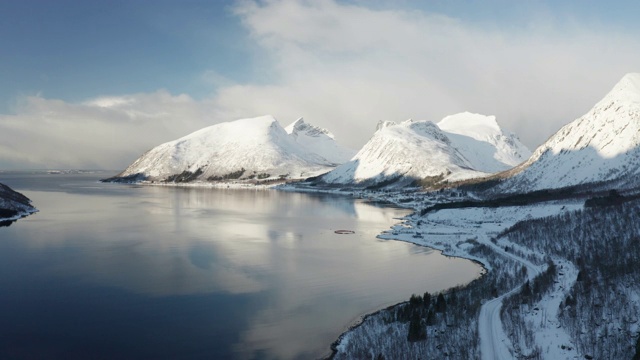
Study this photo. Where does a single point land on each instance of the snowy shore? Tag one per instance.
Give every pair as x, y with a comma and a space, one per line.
531, 302
449, 231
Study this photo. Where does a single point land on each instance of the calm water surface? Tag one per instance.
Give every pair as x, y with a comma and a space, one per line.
116, 271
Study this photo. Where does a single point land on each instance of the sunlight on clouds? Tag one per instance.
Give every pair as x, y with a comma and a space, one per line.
345, 67
107, 132
394, 65
110, 101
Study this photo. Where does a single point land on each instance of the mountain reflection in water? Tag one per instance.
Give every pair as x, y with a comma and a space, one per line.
128, 271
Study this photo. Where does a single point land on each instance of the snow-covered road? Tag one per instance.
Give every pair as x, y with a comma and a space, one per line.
490, 330
494, 343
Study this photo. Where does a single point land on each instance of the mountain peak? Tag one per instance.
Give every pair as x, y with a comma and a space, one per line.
420, 151
383, 124
245, 149
319, 141
300, 126
295, 126
631, 78
427, 128
627, 89
599, 147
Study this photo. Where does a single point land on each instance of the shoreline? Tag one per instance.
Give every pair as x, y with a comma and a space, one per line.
20, 215
408, 223
482, 263
425, 231
412, 229
484, 268
386, 199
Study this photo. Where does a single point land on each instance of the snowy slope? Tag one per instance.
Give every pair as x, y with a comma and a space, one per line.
602, 145
13, 205
495, 149
243, 149
319, 141
467, 145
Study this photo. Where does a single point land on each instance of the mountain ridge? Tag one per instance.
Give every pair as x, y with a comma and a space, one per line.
319, 141
601, 146
420, 152
244, 149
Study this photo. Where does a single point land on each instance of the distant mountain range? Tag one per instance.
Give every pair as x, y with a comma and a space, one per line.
601, 147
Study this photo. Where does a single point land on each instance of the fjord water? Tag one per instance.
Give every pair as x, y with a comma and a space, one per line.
122, 271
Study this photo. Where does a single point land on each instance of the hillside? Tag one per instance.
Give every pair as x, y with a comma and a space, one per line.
246, 149
461, 146
13, 205
602, 146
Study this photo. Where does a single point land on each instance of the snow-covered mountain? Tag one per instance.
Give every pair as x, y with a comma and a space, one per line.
246, 149
319, 141
495, 149
459, 147
13, 205
601, 146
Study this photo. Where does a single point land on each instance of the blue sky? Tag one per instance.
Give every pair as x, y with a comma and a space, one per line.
77, 49
74, 50
73, 71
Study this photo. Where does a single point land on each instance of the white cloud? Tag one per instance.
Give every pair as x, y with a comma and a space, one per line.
108, 132
344, 67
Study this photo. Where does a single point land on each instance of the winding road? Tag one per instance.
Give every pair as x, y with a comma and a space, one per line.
494, 343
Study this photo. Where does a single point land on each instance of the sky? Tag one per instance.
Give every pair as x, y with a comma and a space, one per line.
94, 84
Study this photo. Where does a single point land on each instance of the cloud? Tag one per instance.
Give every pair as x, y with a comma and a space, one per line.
344, 66
106, 132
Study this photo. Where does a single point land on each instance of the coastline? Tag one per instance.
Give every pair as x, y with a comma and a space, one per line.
395, 199
361, 321
440, 231
13, 205
447, 239
19, 215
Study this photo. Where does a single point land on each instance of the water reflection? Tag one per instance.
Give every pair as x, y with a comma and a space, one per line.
302, 284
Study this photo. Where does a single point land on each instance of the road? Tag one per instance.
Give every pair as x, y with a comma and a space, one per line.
494, 344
